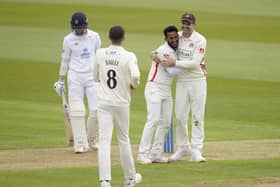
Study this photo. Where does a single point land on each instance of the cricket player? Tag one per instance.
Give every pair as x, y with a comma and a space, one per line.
77, 59
190, 90
117, 72
159, 102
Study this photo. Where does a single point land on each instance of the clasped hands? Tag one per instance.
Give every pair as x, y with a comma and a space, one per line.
166, 62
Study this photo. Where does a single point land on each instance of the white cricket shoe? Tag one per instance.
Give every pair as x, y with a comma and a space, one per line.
160, 159
132, 182
197, 157
81, 149
180, 154
105, 184
143, 158
93, 143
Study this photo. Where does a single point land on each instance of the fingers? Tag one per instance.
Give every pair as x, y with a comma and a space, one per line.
154, 57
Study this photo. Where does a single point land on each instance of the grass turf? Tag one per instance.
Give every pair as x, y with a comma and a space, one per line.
243, 82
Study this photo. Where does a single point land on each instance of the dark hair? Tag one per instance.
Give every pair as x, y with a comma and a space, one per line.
116, 33
168, 29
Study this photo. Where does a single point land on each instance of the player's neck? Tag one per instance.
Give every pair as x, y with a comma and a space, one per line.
119, 43
187, 34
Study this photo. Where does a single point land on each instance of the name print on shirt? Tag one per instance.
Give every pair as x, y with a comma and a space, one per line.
112, 62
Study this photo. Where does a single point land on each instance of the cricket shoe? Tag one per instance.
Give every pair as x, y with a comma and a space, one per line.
179, 155
93, 145
132, 182
197, 157
105, 183
160, 159
142, 158
81, 149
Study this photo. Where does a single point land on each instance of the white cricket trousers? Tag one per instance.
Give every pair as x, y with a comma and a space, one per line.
159, 113
79, 85
190, 97
108, 117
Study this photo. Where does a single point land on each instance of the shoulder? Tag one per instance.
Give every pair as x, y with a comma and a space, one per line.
69, 37
93, 33
164, 48
100, 51
199, 37
131, 55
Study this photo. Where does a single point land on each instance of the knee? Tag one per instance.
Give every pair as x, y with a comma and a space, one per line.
180, 122
77, 109
165, 123
152, 121
197, 120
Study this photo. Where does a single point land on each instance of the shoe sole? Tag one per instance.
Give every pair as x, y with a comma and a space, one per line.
198, 161
160, 162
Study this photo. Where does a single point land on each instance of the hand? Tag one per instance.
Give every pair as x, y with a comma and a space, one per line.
168, 62
59, 87
154, 57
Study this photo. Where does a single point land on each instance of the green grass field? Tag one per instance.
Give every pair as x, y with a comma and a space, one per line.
243, 85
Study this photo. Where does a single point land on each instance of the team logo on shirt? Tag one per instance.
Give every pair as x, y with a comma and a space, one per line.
191, 45
85, 54
166, 56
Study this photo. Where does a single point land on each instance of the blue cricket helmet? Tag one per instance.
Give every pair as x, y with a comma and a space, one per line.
79, 20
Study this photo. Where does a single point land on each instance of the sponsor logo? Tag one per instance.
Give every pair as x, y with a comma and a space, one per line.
184, 54
85, 54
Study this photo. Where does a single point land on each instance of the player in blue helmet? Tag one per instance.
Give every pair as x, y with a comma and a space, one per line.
77, 59
79, 23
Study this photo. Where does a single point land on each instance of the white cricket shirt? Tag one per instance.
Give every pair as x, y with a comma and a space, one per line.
158, 72
116, 71
191, 53
79, 51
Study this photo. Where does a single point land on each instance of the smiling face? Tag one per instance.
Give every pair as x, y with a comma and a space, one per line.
187, 27
172, 39
187, 24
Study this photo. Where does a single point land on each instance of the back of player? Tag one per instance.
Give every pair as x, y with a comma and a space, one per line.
117, 69
117, 72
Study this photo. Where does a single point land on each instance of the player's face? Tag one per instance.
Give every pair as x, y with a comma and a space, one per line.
172, 39
80, 31
187, 28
